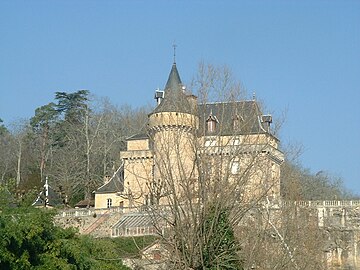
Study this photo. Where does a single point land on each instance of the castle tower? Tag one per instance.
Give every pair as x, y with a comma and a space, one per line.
172, 129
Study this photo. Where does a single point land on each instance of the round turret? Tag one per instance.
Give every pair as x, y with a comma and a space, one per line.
176, 108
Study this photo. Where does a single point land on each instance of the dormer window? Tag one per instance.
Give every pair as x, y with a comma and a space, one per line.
211, 123
237, 120
236, 123
211, 126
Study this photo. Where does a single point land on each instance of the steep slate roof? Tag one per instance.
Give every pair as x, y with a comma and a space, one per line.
115, 184
174, 97
247, 114
53, 198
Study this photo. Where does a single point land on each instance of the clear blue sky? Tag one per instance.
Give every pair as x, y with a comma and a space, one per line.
299, 56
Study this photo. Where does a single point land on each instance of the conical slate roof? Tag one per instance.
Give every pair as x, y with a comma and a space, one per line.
174, 81
174, 98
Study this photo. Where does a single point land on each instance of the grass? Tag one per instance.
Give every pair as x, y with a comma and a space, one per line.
128, 247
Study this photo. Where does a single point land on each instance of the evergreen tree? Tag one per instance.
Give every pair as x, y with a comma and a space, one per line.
30, 240
220, 248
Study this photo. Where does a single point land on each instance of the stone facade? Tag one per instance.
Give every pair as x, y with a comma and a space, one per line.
233, 140
230, 137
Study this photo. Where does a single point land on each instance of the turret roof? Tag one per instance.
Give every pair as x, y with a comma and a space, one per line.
174, 98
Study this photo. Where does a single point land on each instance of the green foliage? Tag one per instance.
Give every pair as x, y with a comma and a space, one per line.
130, 246
3, 129
220, 248
72, 104
76, 197
30, 240
44, 117
28, 197
6, 199
74, 141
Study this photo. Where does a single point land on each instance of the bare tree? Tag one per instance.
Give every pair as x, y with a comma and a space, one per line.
6, 154
20, 132
210, 163
211, 180
43, 125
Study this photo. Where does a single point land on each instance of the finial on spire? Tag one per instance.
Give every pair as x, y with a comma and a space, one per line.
174, 46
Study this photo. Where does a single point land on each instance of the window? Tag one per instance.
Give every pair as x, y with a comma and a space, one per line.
237, 121
109, 203
211, 125
236, 141
210, 142
235, 167
236, 124
211, 122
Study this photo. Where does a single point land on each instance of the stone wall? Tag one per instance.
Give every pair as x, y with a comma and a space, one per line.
340, 221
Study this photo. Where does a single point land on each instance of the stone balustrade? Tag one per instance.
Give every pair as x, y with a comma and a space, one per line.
83, 212
326, 204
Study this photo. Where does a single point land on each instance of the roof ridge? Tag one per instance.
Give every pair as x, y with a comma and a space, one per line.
226, 102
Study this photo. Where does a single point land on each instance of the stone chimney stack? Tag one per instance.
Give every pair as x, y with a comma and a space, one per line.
266, 120
159, 96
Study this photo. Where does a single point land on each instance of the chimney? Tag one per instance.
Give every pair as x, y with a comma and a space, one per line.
266, 120
107, 178
192, 99
159, 95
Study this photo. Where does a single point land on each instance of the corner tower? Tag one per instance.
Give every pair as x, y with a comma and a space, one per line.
172, 129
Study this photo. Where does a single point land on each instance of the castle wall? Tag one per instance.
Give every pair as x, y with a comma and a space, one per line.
249, 161
163, 119
135, 145
340, 221
138, 172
